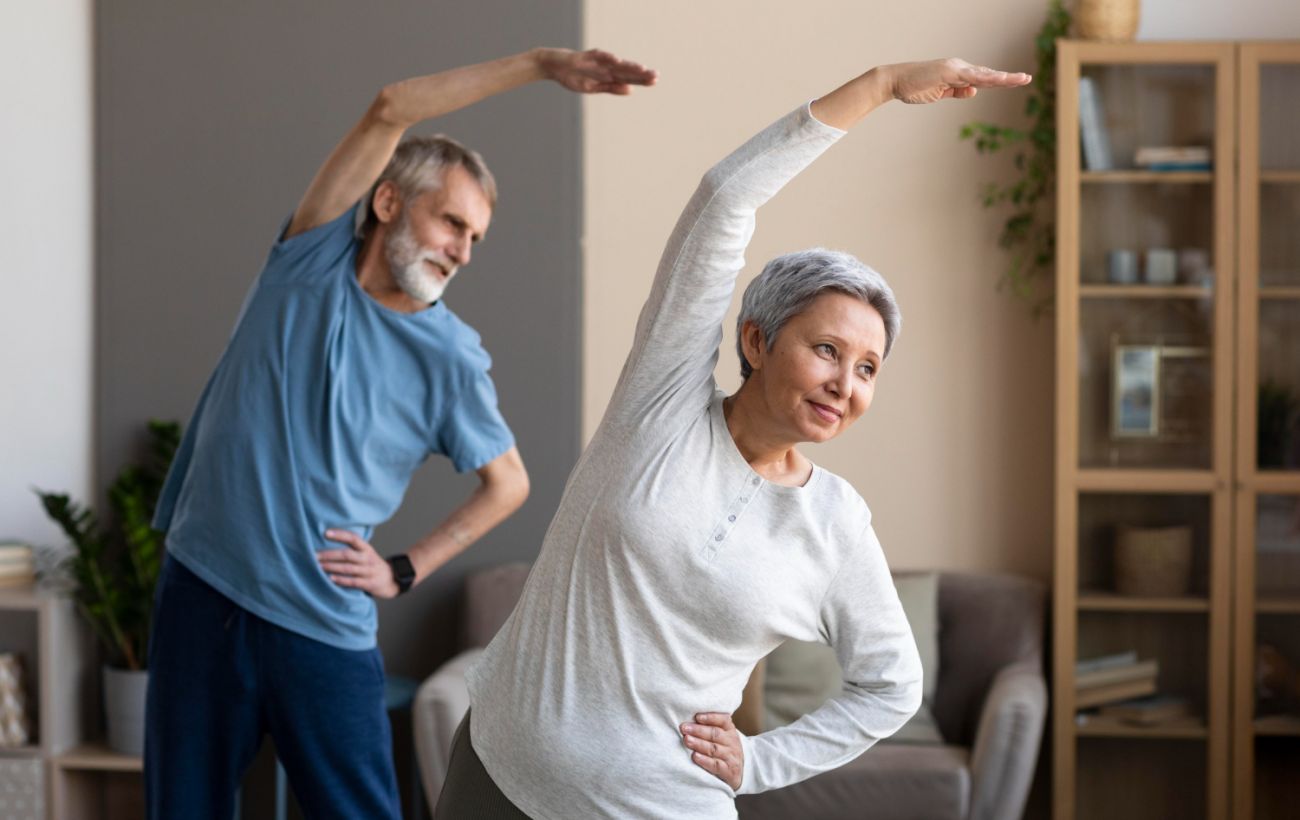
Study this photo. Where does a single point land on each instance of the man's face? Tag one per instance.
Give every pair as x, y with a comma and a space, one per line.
435, 233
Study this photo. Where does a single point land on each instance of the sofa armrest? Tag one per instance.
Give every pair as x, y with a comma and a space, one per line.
439, 706
1007, 741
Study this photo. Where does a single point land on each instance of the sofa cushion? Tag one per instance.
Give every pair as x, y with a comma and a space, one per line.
490, 597
800, 676
898, 782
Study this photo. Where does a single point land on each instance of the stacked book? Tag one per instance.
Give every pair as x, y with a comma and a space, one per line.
17, 565
1113, 678
1173, 158
1152, 710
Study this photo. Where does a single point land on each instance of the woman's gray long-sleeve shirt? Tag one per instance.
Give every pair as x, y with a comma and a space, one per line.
671, 567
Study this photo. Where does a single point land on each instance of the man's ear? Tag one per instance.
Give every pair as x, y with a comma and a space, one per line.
386, 202
753, 344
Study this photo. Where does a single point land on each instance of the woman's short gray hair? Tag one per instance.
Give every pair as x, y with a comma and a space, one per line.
789, 283
417, 166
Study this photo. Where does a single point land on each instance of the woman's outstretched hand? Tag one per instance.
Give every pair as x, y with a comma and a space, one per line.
593, 71
953, 78
950, 79
715, 746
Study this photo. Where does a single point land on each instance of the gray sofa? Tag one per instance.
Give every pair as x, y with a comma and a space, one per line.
990, 704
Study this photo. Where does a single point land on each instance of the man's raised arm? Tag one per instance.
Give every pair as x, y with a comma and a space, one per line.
360, 157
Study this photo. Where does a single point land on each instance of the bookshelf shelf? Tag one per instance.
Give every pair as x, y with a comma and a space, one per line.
1145, 481
1101, 601
1278, 726
1150, 291
1279, 293
96, 757
1280, 176
1160, 177
27, 750
1278, 606
1189, 728
1275, 482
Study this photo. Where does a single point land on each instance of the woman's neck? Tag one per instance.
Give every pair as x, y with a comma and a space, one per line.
760, 442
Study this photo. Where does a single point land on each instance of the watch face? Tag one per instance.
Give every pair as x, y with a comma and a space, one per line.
403, 571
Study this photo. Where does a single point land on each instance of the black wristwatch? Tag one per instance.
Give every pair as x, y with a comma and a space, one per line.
403, 572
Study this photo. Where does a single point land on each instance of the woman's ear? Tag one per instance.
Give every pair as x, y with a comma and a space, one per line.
752, 343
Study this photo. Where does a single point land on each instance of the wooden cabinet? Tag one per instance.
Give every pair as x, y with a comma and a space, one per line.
1178, 323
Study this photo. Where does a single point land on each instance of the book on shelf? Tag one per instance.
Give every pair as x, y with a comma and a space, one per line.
1173, 157
1117, 674
1112, 692
1152, 710
1092, 128
17, 565
1087, 665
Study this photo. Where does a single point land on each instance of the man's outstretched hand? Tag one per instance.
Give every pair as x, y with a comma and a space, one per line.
953, 78
593, 71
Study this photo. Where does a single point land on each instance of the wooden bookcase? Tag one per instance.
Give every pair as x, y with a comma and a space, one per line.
1229, 346
1216, 334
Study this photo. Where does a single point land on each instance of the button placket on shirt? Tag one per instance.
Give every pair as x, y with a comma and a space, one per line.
732, 514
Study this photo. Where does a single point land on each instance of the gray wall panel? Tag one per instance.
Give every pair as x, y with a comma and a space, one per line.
212, 118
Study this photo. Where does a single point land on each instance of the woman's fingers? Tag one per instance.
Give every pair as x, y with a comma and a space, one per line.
715, 746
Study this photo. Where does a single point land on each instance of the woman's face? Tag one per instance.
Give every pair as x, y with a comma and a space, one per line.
820, 373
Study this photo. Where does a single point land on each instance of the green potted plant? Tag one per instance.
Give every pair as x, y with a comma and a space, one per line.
113, 568
1029, 232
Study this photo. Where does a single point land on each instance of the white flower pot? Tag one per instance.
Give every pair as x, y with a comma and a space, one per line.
124, 693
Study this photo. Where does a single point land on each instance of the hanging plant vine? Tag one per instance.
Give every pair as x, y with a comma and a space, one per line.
1029, 232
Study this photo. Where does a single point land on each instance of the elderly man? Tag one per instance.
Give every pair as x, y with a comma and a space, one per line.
345, 371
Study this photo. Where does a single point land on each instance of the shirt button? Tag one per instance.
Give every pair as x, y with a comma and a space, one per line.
731, 518
744, 498
717, 538
755, 482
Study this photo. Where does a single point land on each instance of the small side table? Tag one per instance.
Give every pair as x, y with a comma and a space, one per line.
398, 694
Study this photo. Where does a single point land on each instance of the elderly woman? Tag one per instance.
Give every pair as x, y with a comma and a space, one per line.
693, 537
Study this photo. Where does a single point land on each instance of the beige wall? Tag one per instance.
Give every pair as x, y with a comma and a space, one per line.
955, 455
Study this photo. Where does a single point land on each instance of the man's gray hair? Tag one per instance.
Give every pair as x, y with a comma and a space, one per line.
418, 166
789, 283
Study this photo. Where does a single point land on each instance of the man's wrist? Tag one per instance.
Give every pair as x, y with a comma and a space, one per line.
403, 572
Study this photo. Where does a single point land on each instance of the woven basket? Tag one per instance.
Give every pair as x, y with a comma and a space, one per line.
1153, 562
1115, 20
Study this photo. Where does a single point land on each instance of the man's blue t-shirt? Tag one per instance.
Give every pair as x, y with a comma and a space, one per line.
321, 407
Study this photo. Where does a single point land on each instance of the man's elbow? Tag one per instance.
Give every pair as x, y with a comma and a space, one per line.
384, 109
512, 487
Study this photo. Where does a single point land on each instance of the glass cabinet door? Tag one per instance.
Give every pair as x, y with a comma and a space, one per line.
1278, 253
1148, 288
1266, 710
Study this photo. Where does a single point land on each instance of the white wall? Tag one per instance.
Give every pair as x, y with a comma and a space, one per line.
46, 244
1219, 20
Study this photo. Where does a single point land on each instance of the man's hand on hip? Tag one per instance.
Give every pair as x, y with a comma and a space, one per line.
357, 566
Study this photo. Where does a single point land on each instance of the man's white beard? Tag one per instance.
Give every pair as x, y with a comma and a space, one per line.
406, 259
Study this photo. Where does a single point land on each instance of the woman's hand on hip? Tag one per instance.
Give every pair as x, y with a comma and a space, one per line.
715, 746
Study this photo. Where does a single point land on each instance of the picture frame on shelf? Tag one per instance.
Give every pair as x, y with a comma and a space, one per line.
1135, 391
